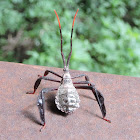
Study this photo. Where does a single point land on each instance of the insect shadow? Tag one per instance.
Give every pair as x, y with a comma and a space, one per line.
28, 114
51, 106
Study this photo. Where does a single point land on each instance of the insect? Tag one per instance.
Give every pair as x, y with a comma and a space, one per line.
67, 99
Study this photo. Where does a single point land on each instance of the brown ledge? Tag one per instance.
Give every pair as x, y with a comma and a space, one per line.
19, 115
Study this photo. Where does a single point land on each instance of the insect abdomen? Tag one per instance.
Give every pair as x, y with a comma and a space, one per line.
67, 99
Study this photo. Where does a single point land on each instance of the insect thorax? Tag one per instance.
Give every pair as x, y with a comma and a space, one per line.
67, 98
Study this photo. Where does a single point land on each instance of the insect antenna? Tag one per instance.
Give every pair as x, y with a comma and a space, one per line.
63, 57
71, 39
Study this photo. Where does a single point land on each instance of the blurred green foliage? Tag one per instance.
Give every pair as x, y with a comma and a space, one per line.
106, 34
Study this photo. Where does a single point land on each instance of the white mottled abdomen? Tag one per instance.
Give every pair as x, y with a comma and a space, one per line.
67, 99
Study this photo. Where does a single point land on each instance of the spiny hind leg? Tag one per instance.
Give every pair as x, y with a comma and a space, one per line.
99, 97
41, 104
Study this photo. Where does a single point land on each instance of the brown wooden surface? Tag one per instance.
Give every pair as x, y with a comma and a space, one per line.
19, 115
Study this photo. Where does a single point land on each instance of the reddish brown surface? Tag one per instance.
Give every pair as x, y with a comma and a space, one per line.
19, 115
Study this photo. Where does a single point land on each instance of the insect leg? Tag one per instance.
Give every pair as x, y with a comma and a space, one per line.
99, 97
41, 104
37, 83
81, 75
81, 82
48, 71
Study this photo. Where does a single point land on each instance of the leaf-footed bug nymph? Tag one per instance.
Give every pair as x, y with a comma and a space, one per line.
67, 99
